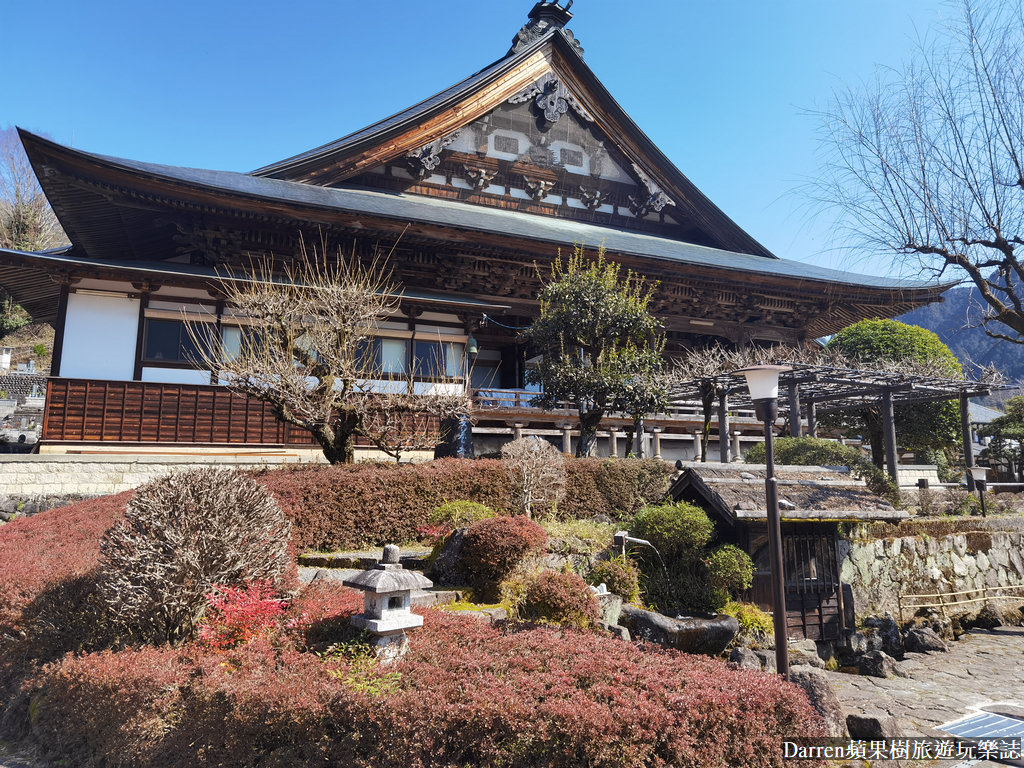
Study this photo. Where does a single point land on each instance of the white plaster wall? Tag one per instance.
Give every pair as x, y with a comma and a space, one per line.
175, 375
99, 337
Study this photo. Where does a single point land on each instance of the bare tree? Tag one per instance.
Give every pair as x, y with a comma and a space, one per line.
928, 164
27, 222
537, 471
310, 349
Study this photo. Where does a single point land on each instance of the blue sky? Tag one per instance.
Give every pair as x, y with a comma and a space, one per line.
726, 88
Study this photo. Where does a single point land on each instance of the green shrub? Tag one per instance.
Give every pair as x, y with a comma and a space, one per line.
39, 350
690, 578
620, 575
755, 625
730, 571
493, 548
459, 514
560, 598
615, 488
676, 530
818, 452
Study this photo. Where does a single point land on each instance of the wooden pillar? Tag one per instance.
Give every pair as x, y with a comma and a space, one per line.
613, 443
566, 439
517, 430
638, 440
965, 429
889, 433
657, 442
812, 419
58, 328
737, 454
795, 427
723, 426
696, 445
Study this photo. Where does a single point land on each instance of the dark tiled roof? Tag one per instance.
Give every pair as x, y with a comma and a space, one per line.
402, 207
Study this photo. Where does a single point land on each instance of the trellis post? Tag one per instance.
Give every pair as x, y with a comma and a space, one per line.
723, 426
965, 431
889, 433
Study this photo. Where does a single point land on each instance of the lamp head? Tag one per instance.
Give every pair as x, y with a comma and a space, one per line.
763, 380
472, 347
979, 474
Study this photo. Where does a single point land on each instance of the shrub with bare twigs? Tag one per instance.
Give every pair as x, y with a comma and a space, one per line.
180, 536
537, 472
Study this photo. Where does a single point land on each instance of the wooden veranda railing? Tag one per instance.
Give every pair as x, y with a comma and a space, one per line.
944, 600
519, 399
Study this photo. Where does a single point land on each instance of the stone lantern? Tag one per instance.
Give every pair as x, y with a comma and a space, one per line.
387, 599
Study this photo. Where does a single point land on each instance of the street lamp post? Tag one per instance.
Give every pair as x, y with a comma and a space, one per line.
763, 384
979, 474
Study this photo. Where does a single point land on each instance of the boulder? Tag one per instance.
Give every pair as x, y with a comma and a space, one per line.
821, 696
616, 631
709, 636
988, 617
877, 664
767, 659
872, 728
445, 570
883, 634
611, 607
923, 640
745, 658
805, 652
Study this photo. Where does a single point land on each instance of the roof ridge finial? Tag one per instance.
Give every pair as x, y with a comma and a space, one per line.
546, 15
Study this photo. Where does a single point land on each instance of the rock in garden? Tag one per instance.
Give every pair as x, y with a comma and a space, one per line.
445, 570
822, 697
877, 664
872, 728
692, 635
923, 640
988, 617
805, 652
886, 633
745, 658
767, 659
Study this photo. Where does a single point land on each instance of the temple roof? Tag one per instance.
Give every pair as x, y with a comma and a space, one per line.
402, 207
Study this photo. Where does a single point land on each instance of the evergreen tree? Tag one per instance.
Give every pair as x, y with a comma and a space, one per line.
600, 347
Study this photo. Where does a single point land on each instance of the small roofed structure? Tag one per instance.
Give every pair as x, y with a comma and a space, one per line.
387, 601
812, 500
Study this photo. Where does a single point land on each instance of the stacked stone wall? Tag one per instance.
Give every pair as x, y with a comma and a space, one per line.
879, 571
82, 476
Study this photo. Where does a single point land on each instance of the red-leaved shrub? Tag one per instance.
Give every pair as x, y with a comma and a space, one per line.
560, 598
464, 694
492, 548
237, 615
356, 505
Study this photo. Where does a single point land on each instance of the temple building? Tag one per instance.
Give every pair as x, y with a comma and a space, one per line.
476, 187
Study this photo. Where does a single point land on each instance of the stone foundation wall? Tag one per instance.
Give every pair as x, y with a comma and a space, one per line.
77, 476
878, 571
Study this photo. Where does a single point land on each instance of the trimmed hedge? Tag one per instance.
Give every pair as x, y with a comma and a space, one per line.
356, 505
465, 694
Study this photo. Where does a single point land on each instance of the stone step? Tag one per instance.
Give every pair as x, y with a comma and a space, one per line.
413, 559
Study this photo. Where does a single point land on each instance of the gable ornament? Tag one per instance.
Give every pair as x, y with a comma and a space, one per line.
479, 178
422, 162
551, 99
650, 198
538, 189
592, 198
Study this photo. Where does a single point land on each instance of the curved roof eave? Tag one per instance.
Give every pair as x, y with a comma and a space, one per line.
403, 208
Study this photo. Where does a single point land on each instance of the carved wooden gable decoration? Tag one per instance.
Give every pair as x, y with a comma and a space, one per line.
536, 132
541, 151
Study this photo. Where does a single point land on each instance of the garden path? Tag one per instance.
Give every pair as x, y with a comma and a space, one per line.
982, 670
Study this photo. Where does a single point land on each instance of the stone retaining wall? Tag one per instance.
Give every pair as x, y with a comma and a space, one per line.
75, 475
879, 570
